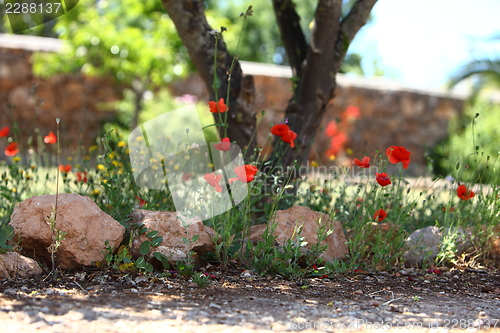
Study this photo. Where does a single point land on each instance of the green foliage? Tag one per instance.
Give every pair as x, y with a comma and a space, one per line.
123, 40
471, 154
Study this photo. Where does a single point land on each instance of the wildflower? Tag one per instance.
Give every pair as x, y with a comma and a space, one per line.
81, 177
397, 154
65, 168
218, 107
101, 167
4, 132
364, 163
142, 202
213, 180
16, 159
225, 145
382, 179
380, 215
463, 193
121, 144
286, 134
51, 138
11, 149
245, 173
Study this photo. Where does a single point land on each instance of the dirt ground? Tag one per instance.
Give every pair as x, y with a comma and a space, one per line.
236, 301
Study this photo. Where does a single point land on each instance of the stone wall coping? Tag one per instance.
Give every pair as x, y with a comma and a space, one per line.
30, 43
374, 83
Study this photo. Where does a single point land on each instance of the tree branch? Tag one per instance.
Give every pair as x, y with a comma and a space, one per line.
292, 36
349, 27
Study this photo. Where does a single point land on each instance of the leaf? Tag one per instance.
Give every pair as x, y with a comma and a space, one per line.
195, 238
163, 259
144, 248
156, 241
152, 234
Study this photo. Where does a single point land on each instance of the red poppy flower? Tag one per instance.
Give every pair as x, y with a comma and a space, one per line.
463, 193
4, 132
364, 163
81, 177
397, 154
379, 215
280, 129
383, 179
142, 202
213, 180
218, 107
11, 149
245, 173
286, 134
224, 145
65, 168
51, 138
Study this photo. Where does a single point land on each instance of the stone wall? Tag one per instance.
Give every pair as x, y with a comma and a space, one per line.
34, 103
384, 113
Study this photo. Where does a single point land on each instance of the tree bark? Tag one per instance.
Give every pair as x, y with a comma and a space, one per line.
195, 33
314, 65
330, 39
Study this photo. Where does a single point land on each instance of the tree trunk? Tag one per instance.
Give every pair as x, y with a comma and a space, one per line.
315, 65
195, 33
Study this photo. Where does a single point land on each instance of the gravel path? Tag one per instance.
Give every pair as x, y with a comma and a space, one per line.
453, 301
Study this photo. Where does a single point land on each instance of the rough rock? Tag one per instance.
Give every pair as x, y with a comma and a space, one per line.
494, 241
12, 264
425, 244
86, 226
169, 227
422, 244
289, 220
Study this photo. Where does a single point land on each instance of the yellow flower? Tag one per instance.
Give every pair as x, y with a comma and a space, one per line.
70, 158
127, 151
86, 157
210, 165
100, 167
332, 157
96, 192
176, 167
121, 144
92, 148
14, 190
112, 155
314, 163
139, 139
349, 151
28, 176
16, 159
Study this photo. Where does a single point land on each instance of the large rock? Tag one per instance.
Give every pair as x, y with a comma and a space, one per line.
86, 226
423, 245
169, 227
289, 220
494, 243
12, 264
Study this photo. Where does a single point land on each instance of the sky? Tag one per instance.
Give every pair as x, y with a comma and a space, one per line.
422, 42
